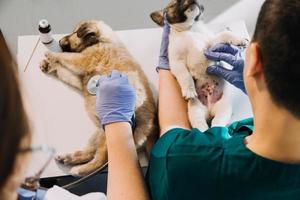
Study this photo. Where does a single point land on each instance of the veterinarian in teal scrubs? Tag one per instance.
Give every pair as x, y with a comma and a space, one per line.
241, 161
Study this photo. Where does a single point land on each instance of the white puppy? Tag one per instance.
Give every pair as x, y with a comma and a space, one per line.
208, 102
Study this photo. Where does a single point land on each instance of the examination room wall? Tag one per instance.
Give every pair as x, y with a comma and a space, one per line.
20, 17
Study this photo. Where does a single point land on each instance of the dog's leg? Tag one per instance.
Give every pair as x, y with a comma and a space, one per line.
184, 78
100, 158
145, 120
51, 66
229, 37
145, 109
222, 111
197, 114
82, 156
75, 62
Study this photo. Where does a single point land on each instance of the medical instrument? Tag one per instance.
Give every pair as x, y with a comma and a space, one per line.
32, 182
45, 31
92, 85
31, 55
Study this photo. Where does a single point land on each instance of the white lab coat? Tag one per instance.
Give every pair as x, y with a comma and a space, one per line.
58, 193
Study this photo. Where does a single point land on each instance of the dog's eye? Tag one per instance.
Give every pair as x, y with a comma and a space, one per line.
91, 34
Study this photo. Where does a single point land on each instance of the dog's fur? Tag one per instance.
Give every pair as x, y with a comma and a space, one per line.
208, 102
94, 49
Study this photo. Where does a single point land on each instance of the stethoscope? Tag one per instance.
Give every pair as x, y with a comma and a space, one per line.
93, 84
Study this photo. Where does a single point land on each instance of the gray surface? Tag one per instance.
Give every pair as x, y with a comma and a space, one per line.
20, 17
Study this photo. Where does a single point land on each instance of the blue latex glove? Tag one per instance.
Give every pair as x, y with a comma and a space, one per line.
24, 194
115, 99
231, 55
163, 62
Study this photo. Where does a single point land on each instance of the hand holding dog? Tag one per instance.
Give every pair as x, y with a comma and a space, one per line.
163, 62
115, 99
231, 55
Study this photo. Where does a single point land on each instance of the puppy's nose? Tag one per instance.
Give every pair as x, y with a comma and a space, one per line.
62, 42
65, 45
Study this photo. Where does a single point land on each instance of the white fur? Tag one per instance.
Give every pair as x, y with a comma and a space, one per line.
188, 41
107, 32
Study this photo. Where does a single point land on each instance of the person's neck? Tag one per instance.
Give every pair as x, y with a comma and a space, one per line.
276, 133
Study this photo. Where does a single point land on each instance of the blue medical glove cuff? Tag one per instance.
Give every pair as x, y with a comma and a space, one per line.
163, 64
111, 119
116, 116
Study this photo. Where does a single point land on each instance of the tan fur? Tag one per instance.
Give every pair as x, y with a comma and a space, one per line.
84, 61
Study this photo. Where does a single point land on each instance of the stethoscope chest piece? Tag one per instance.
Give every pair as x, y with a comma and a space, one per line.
92, 84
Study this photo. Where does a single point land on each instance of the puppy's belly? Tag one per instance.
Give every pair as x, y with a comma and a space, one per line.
209, 91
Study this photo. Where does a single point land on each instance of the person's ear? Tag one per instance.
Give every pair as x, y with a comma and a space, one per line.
254, 60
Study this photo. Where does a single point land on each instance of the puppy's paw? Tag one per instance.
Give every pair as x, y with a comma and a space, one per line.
234, 40
51, 57
66, 159
243, 43
189, 93
75, 158
49, 64
45, 66
78, 171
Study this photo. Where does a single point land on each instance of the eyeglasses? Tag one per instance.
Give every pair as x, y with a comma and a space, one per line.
32, 182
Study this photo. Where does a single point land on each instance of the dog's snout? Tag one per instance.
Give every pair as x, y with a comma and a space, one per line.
65, 45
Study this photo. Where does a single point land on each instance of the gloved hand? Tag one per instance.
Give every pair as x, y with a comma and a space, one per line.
24, 194
115, 99
231, 55
163, 62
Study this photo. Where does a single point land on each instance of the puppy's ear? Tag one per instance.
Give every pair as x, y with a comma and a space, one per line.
82, 30
158, 17
85, 30
90, 39
88, 34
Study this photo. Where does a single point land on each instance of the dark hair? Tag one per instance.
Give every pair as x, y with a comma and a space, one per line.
13, 120
277, 33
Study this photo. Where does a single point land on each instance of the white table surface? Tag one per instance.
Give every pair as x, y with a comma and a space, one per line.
57, 112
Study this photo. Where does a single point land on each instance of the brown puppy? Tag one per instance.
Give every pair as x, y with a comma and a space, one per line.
94, 49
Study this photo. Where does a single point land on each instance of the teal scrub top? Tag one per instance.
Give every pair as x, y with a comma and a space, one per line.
216, 164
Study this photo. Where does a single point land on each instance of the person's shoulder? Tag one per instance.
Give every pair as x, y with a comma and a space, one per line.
184, 142
238, 127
